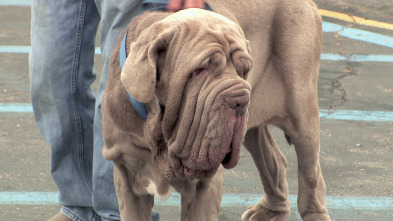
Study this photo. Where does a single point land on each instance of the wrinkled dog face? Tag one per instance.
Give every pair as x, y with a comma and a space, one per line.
202, 60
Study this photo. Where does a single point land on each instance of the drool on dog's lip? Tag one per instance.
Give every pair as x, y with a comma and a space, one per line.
227, 157
188, 173
232, 157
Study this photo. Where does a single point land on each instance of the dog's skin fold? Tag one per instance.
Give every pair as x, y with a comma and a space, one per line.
208, 90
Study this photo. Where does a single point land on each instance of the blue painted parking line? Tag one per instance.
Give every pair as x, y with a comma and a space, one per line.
11, 49
358, 57
357, 34
25, 3
229, 200
355, 115
16, 107
21, 49
352, 33
325, 57
339, 206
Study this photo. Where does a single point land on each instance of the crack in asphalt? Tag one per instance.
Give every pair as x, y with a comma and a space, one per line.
336, 85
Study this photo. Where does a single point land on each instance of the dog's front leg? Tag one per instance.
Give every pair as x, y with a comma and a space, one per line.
271, 164
132, 207
201, 200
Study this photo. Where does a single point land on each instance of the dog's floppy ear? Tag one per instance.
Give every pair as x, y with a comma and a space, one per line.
139, 72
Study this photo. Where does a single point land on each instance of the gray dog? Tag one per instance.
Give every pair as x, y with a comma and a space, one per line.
191, 71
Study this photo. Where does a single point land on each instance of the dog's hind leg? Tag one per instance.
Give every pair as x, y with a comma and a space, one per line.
297, 46
302, 130
292, 105
271, 164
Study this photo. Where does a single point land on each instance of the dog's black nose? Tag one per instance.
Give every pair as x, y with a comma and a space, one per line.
239, 100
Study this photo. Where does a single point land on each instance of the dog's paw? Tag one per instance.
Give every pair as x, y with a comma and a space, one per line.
316, 216
257, 213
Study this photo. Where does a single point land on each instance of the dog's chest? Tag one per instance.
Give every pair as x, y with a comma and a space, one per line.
149, 180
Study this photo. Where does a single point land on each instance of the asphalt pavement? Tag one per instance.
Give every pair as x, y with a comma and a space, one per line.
356, 109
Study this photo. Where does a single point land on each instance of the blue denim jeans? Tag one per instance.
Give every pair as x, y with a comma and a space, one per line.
67, 110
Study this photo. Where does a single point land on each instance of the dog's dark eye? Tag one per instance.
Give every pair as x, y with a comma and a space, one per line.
198, 71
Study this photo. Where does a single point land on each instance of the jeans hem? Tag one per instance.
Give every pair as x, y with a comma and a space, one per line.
75, 217
67, 212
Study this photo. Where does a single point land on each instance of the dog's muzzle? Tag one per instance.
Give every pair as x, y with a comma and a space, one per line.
216, 132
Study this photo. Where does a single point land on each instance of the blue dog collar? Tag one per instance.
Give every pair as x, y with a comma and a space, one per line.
139, 107
154, 5
160, 5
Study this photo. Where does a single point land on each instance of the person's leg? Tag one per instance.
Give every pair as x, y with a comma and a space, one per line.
61, 71
115, 16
